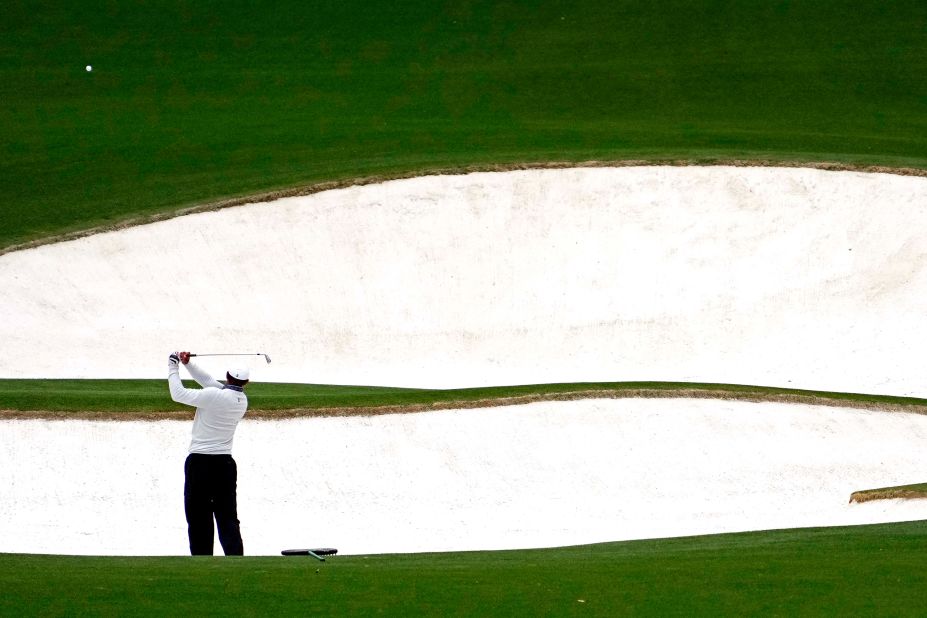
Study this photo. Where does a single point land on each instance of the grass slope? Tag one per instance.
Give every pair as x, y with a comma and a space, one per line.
191, 102
117, 398
855, 571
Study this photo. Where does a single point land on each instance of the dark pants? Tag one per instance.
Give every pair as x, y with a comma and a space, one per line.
209, 491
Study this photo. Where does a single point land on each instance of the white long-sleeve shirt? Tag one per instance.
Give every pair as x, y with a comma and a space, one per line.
218, 409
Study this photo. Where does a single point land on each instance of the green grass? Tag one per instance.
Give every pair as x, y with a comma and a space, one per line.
867, 570
133, 396
190, 102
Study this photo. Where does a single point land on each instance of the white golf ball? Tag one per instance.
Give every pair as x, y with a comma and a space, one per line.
89, 68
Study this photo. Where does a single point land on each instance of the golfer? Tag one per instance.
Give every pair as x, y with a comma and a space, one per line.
211, 475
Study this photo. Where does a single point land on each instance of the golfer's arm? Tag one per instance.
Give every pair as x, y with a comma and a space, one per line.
187, 396
202, 378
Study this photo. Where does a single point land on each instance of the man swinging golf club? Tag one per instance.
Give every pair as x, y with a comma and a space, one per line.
211, 475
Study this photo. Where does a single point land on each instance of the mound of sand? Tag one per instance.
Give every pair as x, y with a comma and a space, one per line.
786, 277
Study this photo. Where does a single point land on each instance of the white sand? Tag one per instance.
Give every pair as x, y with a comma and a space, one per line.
789, 277
538, 475
761, 276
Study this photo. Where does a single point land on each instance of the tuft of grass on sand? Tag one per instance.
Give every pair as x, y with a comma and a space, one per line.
901, 492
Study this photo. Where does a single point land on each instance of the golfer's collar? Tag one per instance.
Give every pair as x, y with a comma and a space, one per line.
232, 387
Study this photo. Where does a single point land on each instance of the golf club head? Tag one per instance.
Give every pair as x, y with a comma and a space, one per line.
267, 358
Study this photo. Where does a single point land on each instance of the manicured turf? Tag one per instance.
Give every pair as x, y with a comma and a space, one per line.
132, 396
857, 571
189, 102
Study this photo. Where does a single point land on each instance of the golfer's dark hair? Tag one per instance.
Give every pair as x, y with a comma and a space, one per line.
234, 381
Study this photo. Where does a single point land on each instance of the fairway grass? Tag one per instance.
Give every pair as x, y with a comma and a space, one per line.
131, 399
192, 103
847, 571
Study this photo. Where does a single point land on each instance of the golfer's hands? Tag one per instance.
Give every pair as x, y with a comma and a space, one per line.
177, 357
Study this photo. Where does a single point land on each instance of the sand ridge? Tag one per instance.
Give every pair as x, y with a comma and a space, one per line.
309, 189
495, 402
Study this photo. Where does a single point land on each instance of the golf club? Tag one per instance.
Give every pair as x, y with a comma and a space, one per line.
266, 358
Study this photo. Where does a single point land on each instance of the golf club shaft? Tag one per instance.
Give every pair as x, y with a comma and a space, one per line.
266, 358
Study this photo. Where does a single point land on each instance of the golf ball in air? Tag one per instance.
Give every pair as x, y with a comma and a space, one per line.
89, 68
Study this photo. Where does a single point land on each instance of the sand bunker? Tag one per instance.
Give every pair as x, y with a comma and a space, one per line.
543, 474
800, 278
785, 277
